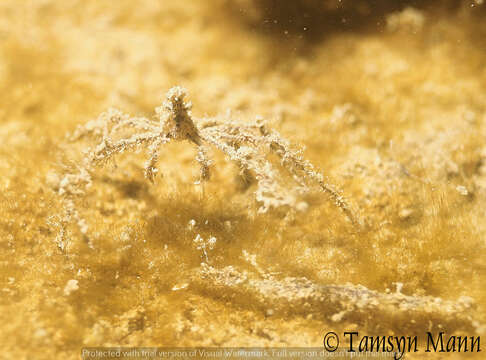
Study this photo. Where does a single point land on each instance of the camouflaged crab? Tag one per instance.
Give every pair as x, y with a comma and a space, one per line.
247, 144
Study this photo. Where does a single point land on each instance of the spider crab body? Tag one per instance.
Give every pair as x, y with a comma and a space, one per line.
247, 144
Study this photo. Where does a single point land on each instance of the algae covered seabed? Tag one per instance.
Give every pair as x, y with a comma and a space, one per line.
389, 102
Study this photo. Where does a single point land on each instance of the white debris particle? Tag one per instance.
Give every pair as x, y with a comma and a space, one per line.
72, 285
180, 287
462, 190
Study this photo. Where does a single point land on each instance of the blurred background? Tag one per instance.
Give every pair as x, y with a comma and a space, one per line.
387, 97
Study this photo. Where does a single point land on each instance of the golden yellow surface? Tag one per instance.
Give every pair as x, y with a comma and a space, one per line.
392, 110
